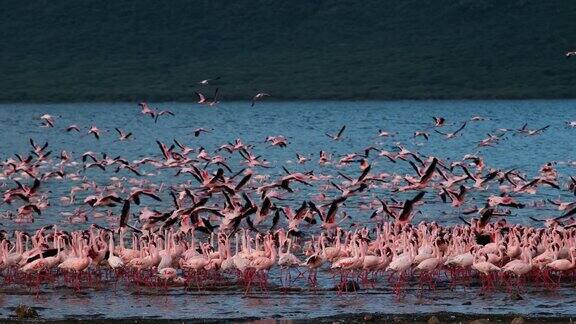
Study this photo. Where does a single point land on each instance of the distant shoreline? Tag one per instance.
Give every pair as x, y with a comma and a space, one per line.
245, 101
441, 317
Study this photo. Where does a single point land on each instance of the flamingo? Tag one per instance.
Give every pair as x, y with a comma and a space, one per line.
258, 96
94, 131
207, 81
337, 136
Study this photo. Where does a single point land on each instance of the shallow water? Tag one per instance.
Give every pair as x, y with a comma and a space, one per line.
304, 123
60, 301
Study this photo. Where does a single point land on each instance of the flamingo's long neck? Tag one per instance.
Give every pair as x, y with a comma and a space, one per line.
58, 247
281, 238
121, 238
289, 246
273, 253
353, 248
439, 255
193, 243
257, 243
142, 248
249, 245
281, 244
363, 250
223, 249
244, 243
524, 255
19, 247
167, 244
111, 245
26, 243
153, 251
173, 247
228, 248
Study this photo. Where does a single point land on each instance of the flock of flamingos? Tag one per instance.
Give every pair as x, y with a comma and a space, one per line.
231, 216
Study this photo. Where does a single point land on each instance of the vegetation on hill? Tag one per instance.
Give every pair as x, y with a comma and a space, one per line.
299, 49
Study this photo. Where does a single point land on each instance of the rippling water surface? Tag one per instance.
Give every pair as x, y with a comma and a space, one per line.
304, 124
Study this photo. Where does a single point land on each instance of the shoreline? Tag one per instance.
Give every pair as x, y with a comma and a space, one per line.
429, 318
280, 101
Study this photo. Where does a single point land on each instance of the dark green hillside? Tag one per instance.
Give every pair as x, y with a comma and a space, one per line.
296, 49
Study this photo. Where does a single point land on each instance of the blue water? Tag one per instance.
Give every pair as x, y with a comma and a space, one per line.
304, 124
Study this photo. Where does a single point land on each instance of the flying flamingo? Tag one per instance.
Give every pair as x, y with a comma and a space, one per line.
338, 136
257, 97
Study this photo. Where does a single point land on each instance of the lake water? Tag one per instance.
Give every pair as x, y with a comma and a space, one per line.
304, 124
